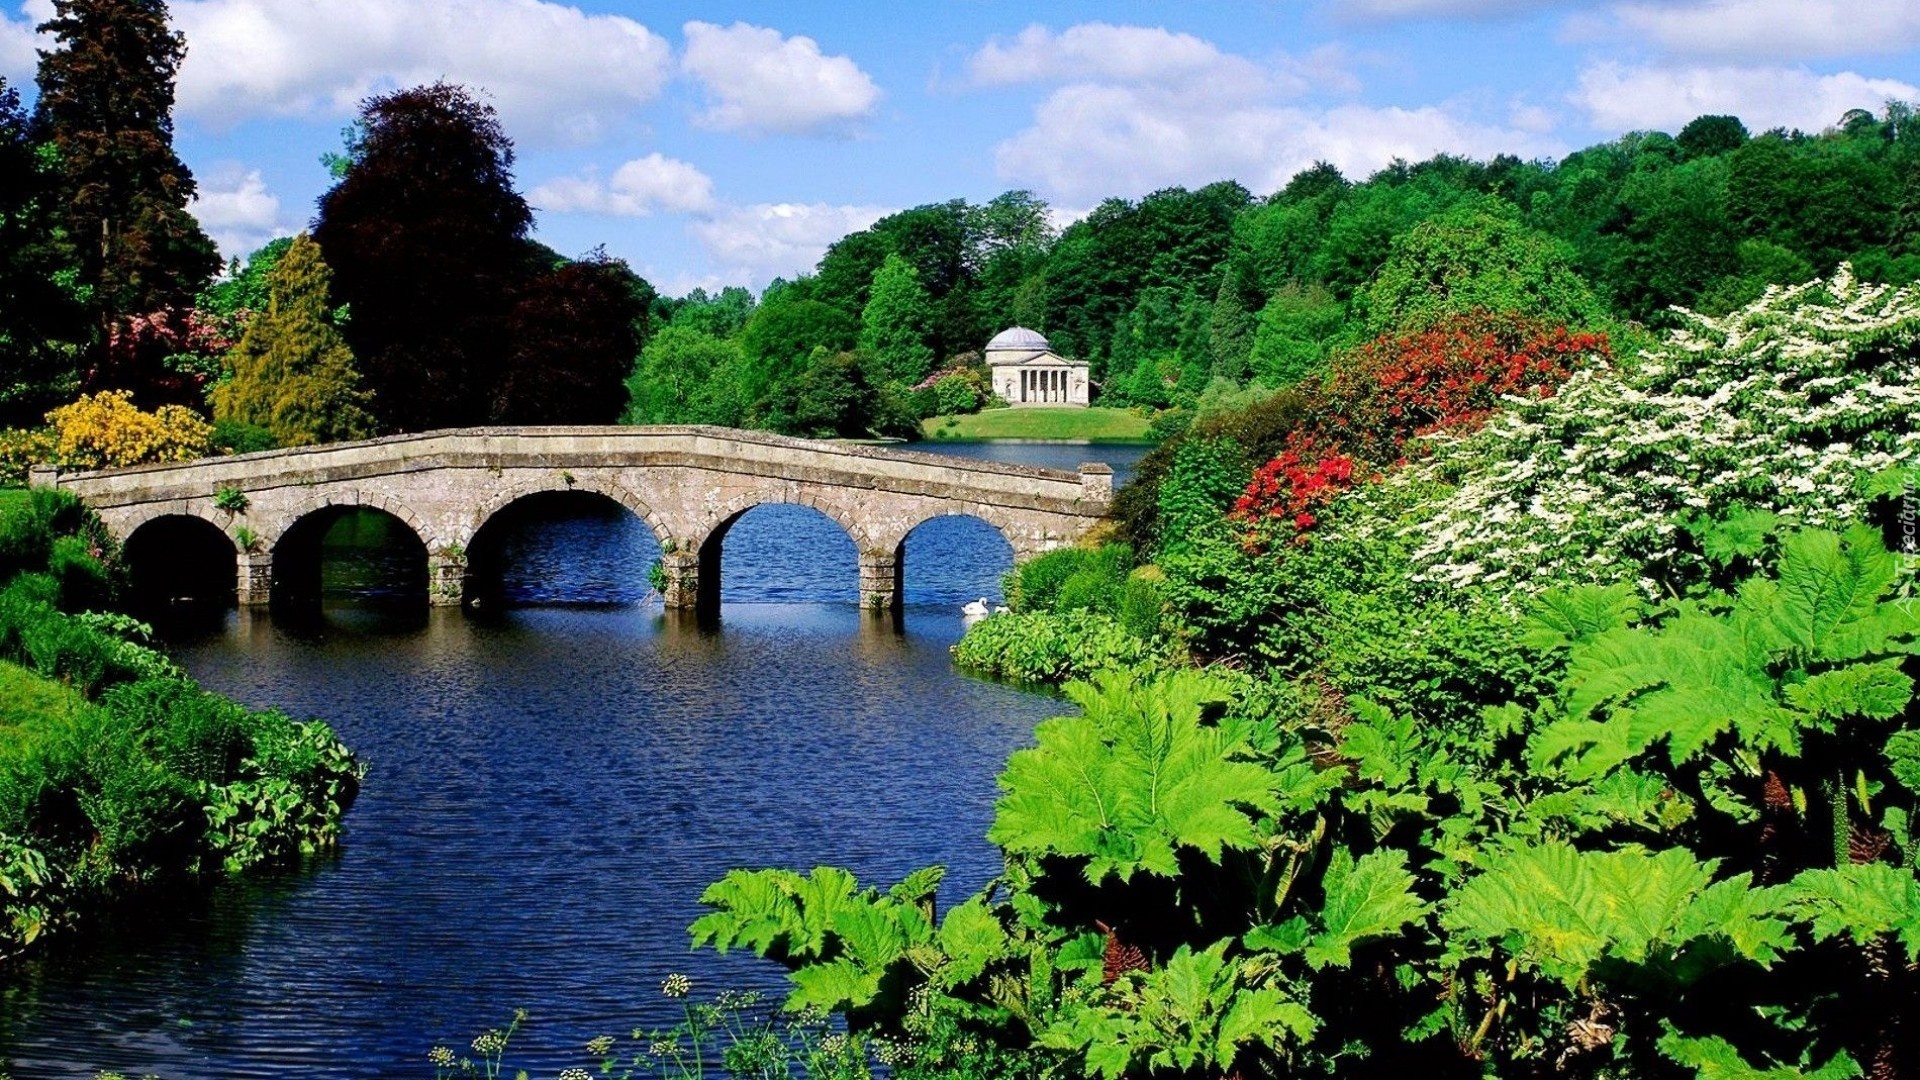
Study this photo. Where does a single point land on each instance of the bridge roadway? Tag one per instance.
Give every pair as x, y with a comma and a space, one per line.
689, 484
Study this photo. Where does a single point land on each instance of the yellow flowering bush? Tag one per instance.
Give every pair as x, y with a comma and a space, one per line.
106, 429
20, 450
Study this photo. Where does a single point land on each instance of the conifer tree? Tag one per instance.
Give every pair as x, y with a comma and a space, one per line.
106, 106
896, 323
1230, 334
293, 373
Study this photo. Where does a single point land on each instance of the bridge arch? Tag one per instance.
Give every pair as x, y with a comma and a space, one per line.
294, 549
506, 551
611, 489
176, 555
705, 547
348, 499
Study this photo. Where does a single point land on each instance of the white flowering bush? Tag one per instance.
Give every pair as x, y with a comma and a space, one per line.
1782, 405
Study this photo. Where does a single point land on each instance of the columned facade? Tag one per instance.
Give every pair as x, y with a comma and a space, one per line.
1026, 371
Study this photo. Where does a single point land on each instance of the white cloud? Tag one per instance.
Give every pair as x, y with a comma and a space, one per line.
1780, 29
635, 189
1102, 51
1394, 10
238, 212
1620, 98
1139, 116
18, 42
556, 74
1089, 140
761, 83
767, 240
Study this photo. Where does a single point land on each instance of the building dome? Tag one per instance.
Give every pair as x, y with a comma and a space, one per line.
1018, 339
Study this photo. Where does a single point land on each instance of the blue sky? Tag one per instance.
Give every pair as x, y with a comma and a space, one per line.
720, 143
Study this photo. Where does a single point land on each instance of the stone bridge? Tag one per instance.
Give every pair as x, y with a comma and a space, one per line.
688, 484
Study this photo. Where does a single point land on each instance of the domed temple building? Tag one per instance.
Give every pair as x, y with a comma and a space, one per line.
1026, 371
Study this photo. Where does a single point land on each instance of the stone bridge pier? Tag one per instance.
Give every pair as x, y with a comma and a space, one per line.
689, 485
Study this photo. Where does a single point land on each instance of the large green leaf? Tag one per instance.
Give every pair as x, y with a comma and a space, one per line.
1369, 898
1826, 605
1562, 910
1580, 613
1715, 1058
1133, 781
1860, 902
1879, 691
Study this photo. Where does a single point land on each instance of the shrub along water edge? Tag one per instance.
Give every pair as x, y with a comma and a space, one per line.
117, 772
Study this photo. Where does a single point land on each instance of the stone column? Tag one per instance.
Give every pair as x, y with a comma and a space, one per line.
879, 581
681, 591
446, 578
254, 584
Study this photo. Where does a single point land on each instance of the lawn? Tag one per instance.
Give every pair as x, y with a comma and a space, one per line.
1066, 424
28, 703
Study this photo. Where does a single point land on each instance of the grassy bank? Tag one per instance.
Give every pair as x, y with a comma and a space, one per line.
117, 771
1065, 424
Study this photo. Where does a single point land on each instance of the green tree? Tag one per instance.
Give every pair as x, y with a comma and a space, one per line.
427, 240
686, 376
1295, 334
106, 107
1706, 136
292, 372
1477, 256
1231, 329
42, 319
233, 301
897, 322
779, 339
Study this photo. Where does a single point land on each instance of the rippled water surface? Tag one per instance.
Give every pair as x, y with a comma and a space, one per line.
551, 788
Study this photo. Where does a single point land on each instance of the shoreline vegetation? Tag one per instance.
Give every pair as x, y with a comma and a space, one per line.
118, 774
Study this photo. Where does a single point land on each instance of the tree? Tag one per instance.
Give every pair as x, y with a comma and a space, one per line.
574, 338
1477, 257
292, 372
427, 240
106, 107
896, 324
1230, 334
1293, 338
685, 376
1707, 136
42, 320
782, 334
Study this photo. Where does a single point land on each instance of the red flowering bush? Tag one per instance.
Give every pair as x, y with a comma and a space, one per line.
1307, 475
1450, 377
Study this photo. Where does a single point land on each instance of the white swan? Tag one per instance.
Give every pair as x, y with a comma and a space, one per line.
976, 609
1003, 610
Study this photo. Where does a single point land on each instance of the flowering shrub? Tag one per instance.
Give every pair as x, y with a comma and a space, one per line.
1398, 387
188, 343
20, 450
1310, 473
1448, 378
106, 429
1781, 405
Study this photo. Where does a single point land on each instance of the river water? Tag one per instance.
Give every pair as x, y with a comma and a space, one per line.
553, 781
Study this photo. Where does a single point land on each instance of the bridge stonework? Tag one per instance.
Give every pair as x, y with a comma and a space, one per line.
688, 484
